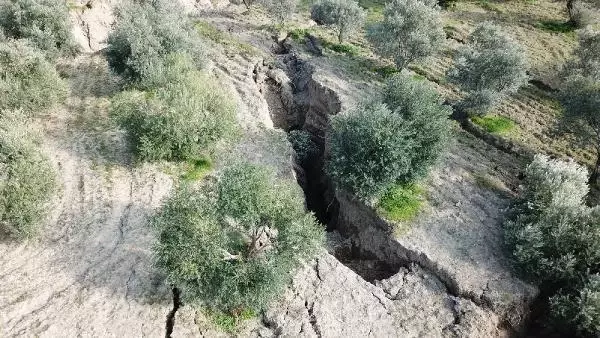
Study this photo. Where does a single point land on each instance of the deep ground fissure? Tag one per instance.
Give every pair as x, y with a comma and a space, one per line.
171, 316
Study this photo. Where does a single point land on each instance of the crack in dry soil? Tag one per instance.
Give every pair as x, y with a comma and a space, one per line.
171, 316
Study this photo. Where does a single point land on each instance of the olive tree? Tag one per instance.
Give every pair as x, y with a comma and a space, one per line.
44, 22
489, 67
27, 80
344, 15
555, 241
580, 94
396, 140
146, 33
586, 57
27, 179
233, 243
411, 30
184, 116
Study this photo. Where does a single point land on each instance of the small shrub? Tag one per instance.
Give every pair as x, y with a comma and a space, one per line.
345, 15
282, 10
306, 149
490, 67
228, 322
411, 30
234, 243
27, 179
181, 120
494, 124
402, 203
27, 80
210, 32
45, 23
377, 145
145, 33
298, 33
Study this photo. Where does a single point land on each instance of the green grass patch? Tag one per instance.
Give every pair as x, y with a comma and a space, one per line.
197, 169
212, 33
402, 202
298, 34
342, 48
494, 124
556, 26
226, 322
385, 71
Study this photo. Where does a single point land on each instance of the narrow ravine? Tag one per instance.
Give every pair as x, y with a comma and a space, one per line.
369, 249
312, 107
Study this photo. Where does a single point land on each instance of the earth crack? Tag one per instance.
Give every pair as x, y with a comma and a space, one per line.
171, 315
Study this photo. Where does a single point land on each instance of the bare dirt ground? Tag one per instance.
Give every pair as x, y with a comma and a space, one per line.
90, 272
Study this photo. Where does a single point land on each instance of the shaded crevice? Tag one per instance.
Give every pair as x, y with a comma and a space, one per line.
372, 253
171, 316
312, 318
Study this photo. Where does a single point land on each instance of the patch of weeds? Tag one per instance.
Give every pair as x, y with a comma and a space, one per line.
402, 202
342, 48
494, 124
226, 322
298, 34
556, 26
488, 5
490, 182
385, 71
212, 33
418, 70
197, 169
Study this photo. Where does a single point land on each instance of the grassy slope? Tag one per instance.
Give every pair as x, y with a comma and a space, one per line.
535, 24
